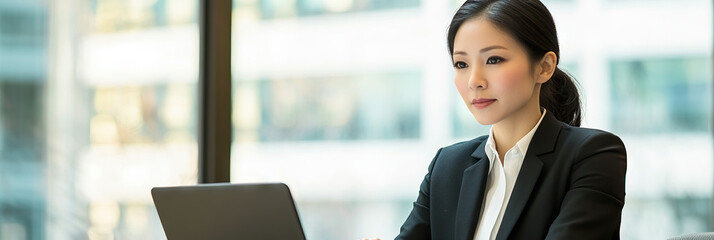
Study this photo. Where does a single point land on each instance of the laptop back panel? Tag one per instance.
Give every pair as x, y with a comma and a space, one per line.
228, 211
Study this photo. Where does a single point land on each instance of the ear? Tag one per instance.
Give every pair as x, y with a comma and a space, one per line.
546, 67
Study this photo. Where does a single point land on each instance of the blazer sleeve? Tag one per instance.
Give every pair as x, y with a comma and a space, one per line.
592, 206
418, 223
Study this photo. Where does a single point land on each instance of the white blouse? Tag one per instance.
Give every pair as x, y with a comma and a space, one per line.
501, 179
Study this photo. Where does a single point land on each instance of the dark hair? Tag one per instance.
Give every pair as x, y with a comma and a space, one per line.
531, 24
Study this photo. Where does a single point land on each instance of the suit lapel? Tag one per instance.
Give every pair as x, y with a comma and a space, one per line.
543, 141
473, 185
528, 176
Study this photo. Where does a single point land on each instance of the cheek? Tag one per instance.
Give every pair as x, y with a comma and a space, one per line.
513, 80
461, 84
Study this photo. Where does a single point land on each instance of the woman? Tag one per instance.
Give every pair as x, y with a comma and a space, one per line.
537, 175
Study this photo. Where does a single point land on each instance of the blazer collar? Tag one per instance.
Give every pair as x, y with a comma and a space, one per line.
473, 184
543, 140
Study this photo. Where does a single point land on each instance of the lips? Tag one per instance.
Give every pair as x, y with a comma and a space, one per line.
482, 102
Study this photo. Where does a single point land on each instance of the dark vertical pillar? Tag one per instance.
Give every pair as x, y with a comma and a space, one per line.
215, 91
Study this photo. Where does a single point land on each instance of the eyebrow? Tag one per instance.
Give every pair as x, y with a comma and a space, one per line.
486, 49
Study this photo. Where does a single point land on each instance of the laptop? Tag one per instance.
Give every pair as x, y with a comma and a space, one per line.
228, 211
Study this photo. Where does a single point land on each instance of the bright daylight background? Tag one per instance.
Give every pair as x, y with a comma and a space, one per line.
346, 101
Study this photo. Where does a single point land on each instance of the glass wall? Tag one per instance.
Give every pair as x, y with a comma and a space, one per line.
98, 104
348, 104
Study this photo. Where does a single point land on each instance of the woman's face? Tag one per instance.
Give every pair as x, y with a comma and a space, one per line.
492, 72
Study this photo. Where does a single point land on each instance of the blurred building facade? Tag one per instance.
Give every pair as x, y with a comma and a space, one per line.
346, 101
99, 104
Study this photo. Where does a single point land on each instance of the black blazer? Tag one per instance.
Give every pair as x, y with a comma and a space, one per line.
571, 186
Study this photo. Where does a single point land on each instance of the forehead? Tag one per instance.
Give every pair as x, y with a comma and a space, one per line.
477, 33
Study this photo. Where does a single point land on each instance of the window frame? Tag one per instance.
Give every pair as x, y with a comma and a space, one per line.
215, 91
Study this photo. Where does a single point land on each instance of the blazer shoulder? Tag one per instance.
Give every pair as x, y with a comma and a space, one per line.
590, 137
468, 146
585, 133
456, 157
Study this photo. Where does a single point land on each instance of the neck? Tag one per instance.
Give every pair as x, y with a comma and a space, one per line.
508, 131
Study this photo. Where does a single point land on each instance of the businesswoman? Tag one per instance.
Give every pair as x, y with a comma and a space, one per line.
537, 174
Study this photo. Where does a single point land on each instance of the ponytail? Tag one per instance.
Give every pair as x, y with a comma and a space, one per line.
560, 96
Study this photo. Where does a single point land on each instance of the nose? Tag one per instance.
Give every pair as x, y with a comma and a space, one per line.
476, 80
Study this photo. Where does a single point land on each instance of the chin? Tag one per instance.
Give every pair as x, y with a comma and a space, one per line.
484, 119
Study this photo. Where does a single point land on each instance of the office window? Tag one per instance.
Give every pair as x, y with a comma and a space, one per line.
378, 106
295, 77
282, 9
662, 108
661, 95
316, 102
99, 104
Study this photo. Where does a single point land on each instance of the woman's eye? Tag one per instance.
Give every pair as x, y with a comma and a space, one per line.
460, 65
494, 60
